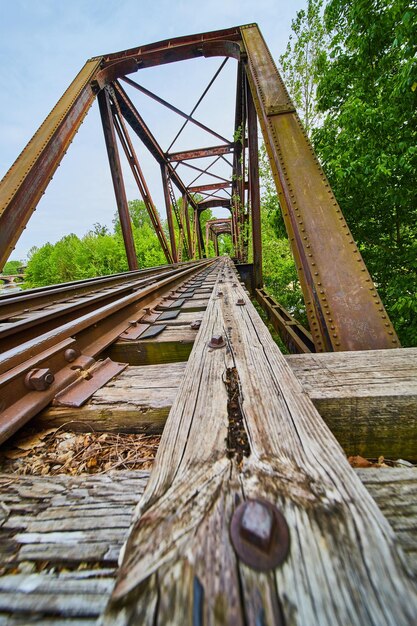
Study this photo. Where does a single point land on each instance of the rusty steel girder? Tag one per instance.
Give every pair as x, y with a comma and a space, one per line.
25, 182
343, 306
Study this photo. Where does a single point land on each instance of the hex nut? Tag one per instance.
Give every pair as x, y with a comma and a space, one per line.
240, 302
39, 379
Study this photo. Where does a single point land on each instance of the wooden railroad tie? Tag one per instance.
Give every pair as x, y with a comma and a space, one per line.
241, 430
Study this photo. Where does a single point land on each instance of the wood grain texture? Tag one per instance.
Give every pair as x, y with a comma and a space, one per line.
343, 567
367, 399
394, 490
66, 520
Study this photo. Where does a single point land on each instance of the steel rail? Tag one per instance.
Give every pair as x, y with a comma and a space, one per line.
85, 337
41, 321
16, 304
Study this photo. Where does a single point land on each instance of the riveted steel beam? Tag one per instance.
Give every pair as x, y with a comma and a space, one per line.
343, 306
200, 153
117, 177
24, 184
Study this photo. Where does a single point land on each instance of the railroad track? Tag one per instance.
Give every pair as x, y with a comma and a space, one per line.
51, 338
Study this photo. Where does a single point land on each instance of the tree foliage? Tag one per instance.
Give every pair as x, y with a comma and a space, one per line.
12, 267
300, 63
368, 141
98, 253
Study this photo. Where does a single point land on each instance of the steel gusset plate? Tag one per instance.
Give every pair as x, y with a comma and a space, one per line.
176, 304
133, 332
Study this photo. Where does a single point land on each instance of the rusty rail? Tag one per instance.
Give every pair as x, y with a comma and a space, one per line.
33, 372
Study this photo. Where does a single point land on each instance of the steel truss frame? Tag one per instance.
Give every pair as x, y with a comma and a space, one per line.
343, 306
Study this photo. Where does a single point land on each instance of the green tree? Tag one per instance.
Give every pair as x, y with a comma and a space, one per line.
305, 51
12, 267
279, 271
368, 141
40, 271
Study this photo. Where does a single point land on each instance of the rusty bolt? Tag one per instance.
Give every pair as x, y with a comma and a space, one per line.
196, 324
260, 534
71, 354
217, 341
240, 302
39, 379
257, 524
132, 323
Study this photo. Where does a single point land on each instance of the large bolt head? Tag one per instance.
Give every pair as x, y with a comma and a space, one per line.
260, 534
257, 524
71, 354
217, 341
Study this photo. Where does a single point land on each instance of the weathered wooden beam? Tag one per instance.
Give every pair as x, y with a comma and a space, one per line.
367, 399
241, 428
136, 403
44, 504
172, 345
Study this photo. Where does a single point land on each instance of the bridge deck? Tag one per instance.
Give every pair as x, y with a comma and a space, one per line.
53, 573
61, 534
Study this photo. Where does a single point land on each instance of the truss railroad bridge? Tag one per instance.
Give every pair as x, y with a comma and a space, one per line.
251, 513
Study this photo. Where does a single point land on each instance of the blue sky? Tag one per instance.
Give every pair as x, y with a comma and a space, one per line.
44, 43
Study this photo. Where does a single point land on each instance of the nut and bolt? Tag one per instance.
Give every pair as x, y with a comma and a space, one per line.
39, 379
71, 354
240, 302
217, 341
260, 534
196, 324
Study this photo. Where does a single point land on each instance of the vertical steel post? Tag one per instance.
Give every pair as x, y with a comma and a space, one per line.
136, 169
196, 234
254, 192
342, 304
187, 224
200, 239
117, 177
164, 172
216, 244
